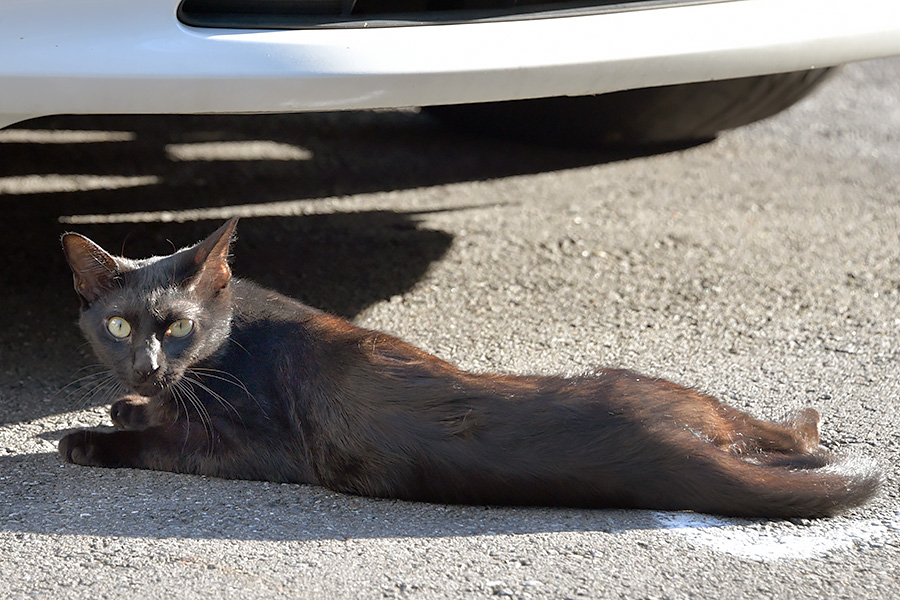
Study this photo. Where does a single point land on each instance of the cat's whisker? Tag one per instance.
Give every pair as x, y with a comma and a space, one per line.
99, 366
201, 407
202, 411
225, 377
239, 345
80, 381
116, 392
90, 390
228, 406
179, 402
220, 375
102, 393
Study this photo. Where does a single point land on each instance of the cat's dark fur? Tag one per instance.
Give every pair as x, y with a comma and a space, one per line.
264, 387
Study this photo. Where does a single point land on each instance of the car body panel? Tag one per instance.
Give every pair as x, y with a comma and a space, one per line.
134, 56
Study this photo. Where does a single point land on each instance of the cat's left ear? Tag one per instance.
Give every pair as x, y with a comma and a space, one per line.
210, 259
94, 269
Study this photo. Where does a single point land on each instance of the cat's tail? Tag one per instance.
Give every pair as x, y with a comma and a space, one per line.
739, 488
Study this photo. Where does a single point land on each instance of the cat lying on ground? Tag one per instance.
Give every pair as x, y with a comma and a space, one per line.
233, 380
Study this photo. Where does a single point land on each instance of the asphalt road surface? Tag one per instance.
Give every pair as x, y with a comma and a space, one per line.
763, 267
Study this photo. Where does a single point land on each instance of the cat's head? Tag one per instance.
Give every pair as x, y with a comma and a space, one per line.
150, 320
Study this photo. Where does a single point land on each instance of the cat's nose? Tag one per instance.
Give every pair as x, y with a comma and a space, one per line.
145, 364
144, 375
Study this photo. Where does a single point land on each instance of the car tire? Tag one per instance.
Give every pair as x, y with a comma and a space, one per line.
675, 115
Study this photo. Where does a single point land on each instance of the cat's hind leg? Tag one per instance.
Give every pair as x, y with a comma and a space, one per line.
792, 442
805, 423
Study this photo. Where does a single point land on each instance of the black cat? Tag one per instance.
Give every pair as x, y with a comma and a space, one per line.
237, 381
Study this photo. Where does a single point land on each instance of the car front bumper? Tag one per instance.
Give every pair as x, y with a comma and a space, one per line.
134, 56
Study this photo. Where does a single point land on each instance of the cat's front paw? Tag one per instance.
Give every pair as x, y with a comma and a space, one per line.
86, 448
131, 412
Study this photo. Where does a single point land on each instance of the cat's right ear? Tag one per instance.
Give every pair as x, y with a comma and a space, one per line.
93, 268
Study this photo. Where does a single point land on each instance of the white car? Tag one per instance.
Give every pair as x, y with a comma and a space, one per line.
604, 71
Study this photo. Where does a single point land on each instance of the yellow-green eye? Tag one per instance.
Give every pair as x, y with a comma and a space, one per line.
180, 328
118, 327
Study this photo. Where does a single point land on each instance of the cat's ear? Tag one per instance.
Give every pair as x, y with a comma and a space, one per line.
93, 268
210, 258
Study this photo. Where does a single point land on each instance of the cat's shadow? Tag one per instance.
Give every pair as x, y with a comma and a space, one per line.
147, 504
151, 183
155, 182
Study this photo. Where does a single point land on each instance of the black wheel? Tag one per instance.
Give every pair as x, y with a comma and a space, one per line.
662, 116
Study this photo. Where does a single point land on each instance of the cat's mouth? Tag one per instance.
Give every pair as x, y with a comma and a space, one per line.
150, 387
